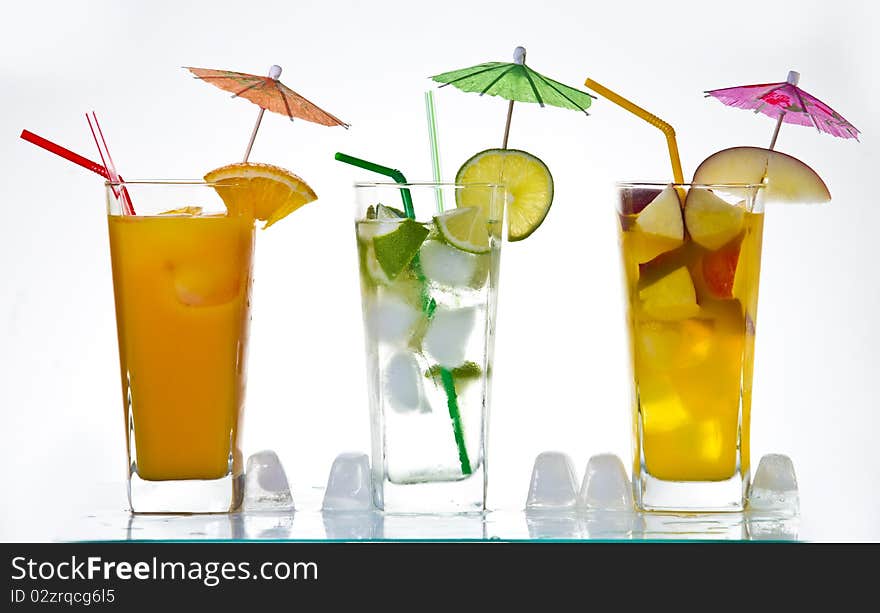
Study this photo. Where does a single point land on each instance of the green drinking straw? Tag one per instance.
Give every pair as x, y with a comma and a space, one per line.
431, 112
388, 172
428, 306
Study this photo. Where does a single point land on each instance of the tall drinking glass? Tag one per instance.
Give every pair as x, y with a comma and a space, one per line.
429, 260
182, 282
691, 260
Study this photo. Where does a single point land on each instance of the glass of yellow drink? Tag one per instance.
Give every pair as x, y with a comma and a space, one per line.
182, 283
691, 259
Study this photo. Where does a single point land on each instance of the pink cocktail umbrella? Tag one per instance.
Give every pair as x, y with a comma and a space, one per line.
786, 102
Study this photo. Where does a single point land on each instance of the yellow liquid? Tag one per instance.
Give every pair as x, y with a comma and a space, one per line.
182, 288
692, 372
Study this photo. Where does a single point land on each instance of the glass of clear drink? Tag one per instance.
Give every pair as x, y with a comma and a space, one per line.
429, 257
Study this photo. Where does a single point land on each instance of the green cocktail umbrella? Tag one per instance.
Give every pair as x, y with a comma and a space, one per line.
518, 83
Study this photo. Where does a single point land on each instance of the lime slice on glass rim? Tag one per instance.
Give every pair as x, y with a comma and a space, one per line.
465, 228
527, 179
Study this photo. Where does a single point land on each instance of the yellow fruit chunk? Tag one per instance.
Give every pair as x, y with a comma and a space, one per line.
711, 221
662, 216
645, 247
269, 192
670, 298
786, 179
658, 228
190, 211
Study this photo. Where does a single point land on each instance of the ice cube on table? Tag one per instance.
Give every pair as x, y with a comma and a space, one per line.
448, 333
606, 486
392, 318
349, 487
403, 385
554, 484
266, 487
445, 265
774, 487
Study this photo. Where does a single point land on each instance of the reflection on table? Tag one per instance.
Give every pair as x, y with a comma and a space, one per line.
499, 525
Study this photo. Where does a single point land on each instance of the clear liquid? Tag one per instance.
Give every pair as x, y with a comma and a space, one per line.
428, 343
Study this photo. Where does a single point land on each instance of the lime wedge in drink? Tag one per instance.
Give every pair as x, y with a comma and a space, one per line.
388, 212
380, 211
465, 228
528, 181
396, 249
468, 370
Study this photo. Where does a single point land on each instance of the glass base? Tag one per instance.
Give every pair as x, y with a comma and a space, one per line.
653, 494
698, 526
436, 497
186, 495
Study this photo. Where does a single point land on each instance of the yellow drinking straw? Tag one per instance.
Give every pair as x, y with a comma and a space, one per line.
651, 119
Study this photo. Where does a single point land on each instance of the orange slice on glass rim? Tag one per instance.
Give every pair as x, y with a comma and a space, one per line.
271, 192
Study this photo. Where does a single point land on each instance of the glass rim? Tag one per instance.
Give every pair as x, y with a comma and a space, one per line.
624, 184
358, 184
166, 182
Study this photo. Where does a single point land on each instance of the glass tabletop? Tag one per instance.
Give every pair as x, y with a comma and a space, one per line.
372, 525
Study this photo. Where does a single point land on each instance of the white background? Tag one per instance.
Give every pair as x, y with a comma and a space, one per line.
561, 377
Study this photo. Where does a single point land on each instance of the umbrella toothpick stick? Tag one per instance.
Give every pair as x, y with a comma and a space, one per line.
250, 145
507, 125
274, 73
793, 78
519, 57
776, 131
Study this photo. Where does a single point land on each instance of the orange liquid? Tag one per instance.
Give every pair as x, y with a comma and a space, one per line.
692, 373
182, 287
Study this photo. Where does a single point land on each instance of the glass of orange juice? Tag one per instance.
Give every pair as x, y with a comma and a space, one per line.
691, 258
182, 283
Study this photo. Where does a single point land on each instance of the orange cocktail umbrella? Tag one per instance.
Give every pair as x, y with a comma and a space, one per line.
269, 94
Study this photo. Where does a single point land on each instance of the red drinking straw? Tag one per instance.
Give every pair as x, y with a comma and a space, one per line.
127, 207
67, 154
76, 158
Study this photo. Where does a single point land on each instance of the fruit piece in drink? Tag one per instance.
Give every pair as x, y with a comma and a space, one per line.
658, 228
396, 249
719, 269
671, 297
711, 221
